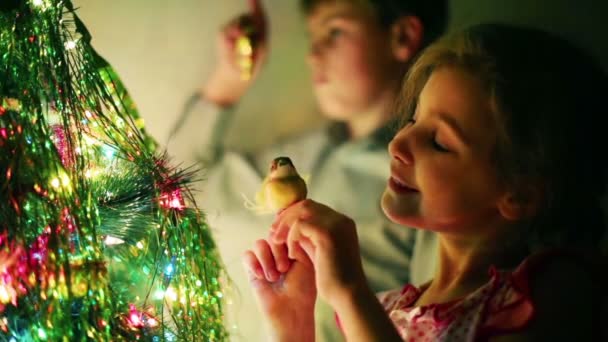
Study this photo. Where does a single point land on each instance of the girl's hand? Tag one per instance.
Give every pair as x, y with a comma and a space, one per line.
229, 81
284, 289
330, 241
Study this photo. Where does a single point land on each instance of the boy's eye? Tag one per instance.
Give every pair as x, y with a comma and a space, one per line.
334, 33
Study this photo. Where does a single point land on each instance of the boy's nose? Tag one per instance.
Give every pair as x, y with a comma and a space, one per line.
399, 149
313, 58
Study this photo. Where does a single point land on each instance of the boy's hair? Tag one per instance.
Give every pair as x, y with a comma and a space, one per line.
432, 13
548, 107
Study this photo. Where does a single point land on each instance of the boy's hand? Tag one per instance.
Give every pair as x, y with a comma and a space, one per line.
284, 289
230, 79
330, 240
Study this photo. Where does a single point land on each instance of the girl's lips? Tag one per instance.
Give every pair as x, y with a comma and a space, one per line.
399, 187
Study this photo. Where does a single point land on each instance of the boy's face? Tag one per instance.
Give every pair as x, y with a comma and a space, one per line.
353, 69
442, 174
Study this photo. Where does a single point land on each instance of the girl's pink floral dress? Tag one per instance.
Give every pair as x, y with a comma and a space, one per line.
500, 306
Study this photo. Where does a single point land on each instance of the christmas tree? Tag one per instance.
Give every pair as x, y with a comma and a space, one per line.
99, 236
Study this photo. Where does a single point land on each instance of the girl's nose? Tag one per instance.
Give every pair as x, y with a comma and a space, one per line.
400, 149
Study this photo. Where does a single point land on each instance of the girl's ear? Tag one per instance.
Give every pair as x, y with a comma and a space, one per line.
520, 205
406, 37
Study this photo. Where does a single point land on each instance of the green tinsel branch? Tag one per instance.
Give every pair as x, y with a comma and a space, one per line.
97, 239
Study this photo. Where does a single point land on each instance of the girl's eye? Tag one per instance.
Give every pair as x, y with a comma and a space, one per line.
437, 146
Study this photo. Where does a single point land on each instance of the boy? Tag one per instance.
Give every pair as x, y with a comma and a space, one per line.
359, 53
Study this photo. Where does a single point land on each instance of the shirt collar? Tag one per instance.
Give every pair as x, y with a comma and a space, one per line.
338, 133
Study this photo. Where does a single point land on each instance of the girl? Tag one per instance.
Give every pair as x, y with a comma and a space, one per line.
502, 155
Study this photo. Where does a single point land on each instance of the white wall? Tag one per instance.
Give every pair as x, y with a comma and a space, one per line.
164, 49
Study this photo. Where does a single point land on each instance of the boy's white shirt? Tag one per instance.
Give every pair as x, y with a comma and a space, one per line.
345, 178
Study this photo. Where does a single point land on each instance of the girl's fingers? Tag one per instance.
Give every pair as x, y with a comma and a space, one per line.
293, 237
280, 228
309, 234
308, 248
252, 265
263, 252
285, 229
278, 232
300, 254
281, 260
285, 220
303, 238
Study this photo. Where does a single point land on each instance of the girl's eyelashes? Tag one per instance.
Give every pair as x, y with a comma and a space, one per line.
409, 122
437, 146
434, 143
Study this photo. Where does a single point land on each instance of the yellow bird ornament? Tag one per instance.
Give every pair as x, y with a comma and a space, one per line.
282, 187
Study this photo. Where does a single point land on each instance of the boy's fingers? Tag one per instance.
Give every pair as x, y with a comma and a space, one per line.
256, 7
232, 31
258, 27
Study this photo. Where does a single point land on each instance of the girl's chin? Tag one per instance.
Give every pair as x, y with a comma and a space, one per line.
392, 205
399, 217
410, 220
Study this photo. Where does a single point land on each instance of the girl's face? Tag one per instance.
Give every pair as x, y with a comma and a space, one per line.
442, 177
353, 69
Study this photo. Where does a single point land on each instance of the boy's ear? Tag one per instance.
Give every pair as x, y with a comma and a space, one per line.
406, 37
520, 205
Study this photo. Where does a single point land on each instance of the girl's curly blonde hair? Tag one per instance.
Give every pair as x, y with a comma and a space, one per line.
550, 116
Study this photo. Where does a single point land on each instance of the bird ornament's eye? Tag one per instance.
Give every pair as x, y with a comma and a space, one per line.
282, 161
282, 187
